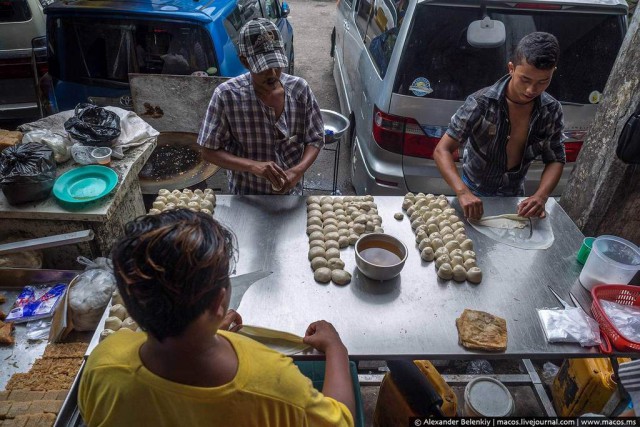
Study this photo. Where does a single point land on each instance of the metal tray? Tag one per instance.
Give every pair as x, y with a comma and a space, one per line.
20, 356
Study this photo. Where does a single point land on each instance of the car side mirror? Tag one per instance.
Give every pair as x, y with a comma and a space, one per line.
486, 33
284, 10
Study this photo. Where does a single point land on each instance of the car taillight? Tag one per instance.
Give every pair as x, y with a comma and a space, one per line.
573, 143
404, 135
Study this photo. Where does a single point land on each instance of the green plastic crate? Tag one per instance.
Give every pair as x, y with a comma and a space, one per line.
315, 372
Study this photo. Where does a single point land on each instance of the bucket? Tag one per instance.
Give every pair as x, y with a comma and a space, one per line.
612, 260
487, 397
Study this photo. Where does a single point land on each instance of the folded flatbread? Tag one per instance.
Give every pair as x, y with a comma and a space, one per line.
6, 333
478, 330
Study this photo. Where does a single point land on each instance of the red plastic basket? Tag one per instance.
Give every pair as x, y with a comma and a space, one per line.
621, 294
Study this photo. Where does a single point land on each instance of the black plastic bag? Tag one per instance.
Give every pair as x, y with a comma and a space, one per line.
27, 172
93, 125
628, 149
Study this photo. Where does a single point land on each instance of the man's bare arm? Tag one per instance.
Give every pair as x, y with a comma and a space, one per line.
443, 155
224, 159
534, 205
295, 173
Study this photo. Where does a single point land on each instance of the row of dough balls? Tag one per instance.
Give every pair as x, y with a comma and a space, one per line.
440, 235
334, 223
118, 318
198, 200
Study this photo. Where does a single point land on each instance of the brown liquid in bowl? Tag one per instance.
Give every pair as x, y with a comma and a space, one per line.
380, 253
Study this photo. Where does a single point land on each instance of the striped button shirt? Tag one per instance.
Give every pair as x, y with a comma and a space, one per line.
482, 126
238, 122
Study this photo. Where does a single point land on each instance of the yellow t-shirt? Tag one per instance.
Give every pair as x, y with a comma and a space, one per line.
268, 390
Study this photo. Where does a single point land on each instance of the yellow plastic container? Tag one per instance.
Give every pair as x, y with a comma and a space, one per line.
585, 386
392, 408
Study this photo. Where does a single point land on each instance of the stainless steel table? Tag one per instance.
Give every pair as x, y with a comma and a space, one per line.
412, 316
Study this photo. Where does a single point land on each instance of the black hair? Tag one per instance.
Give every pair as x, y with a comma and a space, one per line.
169, 267
538, 49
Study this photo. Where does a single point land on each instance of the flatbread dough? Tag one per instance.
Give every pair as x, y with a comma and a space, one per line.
502, 221
478, 330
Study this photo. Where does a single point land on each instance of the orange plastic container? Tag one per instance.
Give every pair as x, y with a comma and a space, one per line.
585, 386
392, 408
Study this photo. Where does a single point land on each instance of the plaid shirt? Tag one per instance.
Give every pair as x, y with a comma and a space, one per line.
482, 125
238, 122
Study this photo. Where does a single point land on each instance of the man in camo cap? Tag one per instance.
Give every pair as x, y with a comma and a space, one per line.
264, 126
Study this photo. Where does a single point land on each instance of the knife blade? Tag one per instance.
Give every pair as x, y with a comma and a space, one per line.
240, 284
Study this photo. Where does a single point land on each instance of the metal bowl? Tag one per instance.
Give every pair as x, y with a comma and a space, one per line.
385, 241
335, 126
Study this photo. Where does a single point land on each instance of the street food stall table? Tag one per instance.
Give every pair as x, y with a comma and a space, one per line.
412, 316
106, 217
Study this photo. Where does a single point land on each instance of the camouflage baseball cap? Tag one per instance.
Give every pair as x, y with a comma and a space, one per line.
261, 43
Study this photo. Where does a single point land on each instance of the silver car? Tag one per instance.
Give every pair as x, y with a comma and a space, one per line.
22, 27
402, 68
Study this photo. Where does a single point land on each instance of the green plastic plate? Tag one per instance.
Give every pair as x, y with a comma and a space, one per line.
85, 184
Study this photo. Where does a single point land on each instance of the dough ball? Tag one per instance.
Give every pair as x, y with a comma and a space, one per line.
339, 212
338, 199
459, 273
343, 225
341, 218
335, 264
181, 204
378, 229
425, 243
467, 245
176, 192
369, 226
449, 211
452, 245
436, 243
458, 231
154, 212
358, 228
164, 192
129, 323
112, 322
105, 333
468, 254
116, 298
406, 204
312, 228
444, 259
206, 211
444, 204
119, 311
316, 235
457, 225
169, 206
208, 191
456, 260
432, 228
415, 224
433, 205
332, 253
331, 228
368, 198
411, 210
415, 215
326, 200
158, 205
455, 252
331, 236
360, 219
427, 254
446, 230
444, 223
205, 204
453, 218
331, 244
445, 271
313, 207
316, 251
320, 243
314, 213
318, 262
338, 207
343, 232
469, 263
198, 192
474, 275
461, 237
353, 238
448, 238
314, 220
420, 236
410, 196
399, 216
322, 275
330, 221
440, 252
326, 208
435, 235
210, 198
343, 241
327, 215
313, 199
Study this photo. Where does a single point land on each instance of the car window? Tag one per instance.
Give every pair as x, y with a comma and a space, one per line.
437, 51
379, 22
14, 11
270, 9
84, 49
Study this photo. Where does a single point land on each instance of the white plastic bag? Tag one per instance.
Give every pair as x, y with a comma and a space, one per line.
60, 146
569, 325
90, 293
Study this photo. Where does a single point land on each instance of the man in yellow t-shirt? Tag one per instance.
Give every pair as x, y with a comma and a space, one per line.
187, 369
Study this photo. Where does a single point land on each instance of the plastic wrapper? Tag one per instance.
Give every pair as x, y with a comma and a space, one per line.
58, 144
569, 325
93, 125
90, 293
38, 329
27, 172
626, 319
36, 302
